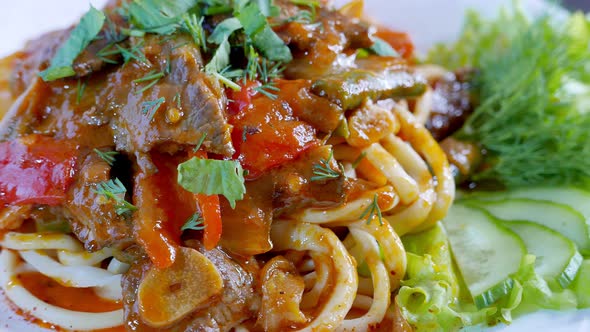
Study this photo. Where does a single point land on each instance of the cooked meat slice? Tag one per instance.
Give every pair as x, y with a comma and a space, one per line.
453, 102
238, 302
294, 188
192, 103
93, 217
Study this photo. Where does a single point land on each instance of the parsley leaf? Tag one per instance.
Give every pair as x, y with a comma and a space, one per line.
263, 37
211, 177
195, 222
159, 16
88, 28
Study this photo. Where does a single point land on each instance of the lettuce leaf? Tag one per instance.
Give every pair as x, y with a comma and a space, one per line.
581, 285
432, 297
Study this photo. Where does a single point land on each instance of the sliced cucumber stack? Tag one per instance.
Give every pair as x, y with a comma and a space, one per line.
557, 256
486, 253
558, 217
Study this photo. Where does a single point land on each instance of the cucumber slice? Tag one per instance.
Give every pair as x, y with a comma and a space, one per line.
557, 256
574, 197
560, 218
486, 253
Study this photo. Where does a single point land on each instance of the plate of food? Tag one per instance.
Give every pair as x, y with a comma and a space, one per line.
216, 165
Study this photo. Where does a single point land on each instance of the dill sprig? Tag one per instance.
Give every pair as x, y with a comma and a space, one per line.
195, 222
533, 120
115, 190
266, 89
80, 88
152, 77
107, 156
150, 107
372, 211
323, 171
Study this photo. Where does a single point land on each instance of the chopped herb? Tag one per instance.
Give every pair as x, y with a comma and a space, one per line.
257, 28
61, 64
373, 210
323, 171
115, 190
134, 53
108, 156
313, 6
80, 90
264, 90
382, 48
201, 140
150, 107
177, 100
358, 160
213, 177
194, 26
153, 77
111, 33
223, 30
195, 222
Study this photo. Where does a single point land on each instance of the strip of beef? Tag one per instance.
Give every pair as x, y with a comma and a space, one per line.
93, 218
453, 102
192, 104
238, 302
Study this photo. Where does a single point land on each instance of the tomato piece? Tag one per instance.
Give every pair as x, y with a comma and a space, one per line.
164, 208
266, 133
36, 170
400, 41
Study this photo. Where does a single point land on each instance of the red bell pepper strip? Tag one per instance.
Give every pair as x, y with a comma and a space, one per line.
211, 213
36, 169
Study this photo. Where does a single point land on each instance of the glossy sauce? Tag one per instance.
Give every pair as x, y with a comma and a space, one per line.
77, 299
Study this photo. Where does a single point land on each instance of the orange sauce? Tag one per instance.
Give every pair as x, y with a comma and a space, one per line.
77, 299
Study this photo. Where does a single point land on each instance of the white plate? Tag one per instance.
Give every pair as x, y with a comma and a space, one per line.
427, 21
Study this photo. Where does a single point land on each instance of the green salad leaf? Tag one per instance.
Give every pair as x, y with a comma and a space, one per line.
433, 298
213, 177
533, 82
61, 64
581, 285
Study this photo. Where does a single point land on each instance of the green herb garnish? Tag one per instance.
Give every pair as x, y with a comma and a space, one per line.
195, 223
115, 190
372, 211
533, 82
382, 48
323, 171
152, 77
213, 177
107, 156
150, 107
80, 91
61, 64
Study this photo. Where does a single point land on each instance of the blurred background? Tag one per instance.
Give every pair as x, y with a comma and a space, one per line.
577, 4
